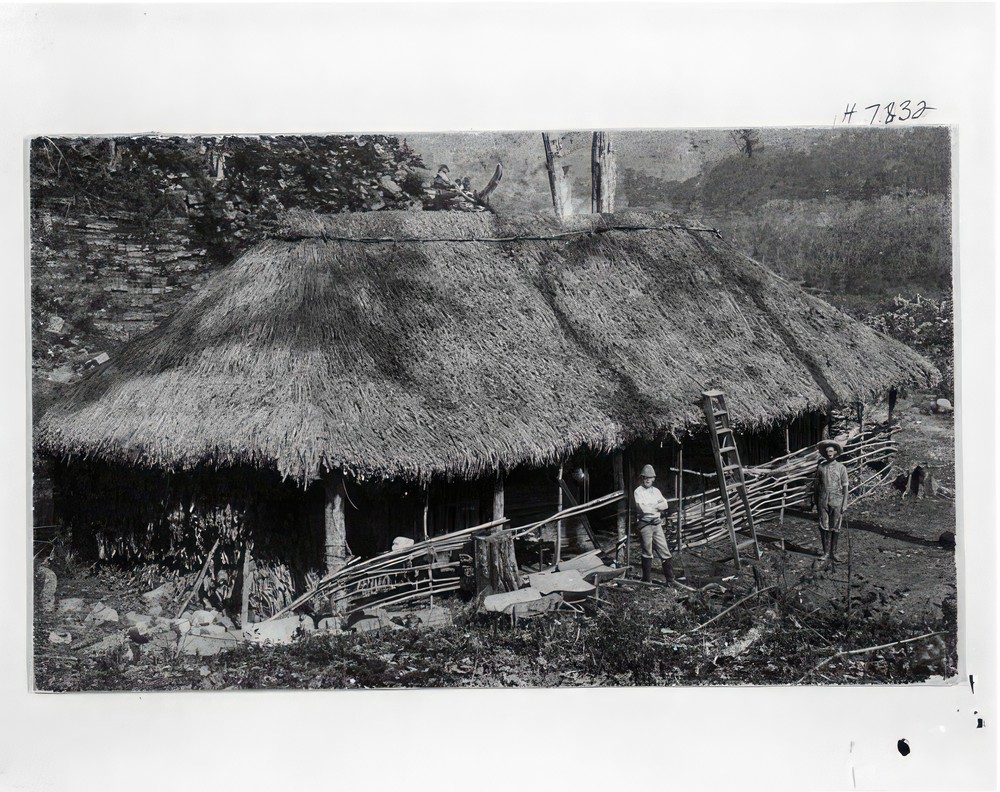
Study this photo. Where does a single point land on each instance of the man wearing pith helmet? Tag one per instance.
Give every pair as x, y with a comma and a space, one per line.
831, 497
650, 503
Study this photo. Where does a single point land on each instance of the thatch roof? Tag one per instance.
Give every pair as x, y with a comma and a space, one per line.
417, 344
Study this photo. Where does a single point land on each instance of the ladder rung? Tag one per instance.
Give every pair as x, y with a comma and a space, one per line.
745, 544
720, 429
737, 466
717, 413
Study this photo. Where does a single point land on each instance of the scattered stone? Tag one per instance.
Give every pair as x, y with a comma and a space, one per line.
71, 605
180, 626
279, 631
206, 645
166, 640
135, 619
209, 629
203, 671
388, 184
947, 539
155, 610
158, 593
942, 407
499, 603
225, 621
107, 644
101, 613
60, 637
200, 617
47, 580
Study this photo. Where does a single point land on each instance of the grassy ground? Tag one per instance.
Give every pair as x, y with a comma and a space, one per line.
806, 627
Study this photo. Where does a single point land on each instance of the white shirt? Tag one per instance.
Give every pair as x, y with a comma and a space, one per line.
650, 501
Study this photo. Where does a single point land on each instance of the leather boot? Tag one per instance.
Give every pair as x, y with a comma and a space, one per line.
647, 570
668, 572
824, 538
834, 555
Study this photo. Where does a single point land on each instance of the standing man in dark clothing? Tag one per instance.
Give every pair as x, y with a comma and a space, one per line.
831, 497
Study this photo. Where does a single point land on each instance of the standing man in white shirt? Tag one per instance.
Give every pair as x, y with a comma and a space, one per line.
650, 503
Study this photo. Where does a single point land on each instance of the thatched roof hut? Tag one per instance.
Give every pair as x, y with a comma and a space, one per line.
411, 345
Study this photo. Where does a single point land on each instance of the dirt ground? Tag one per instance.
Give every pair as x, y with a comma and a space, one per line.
899, 583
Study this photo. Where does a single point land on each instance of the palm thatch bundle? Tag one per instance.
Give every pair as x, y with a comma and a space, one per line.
412, 345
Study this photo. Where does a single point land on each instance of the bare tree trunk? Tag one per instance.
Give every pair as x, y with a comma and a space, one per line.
335, 525
558, 183
602, 167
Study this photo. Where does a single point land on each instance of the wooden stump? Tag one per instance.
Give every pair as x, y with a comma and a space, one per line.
496, 566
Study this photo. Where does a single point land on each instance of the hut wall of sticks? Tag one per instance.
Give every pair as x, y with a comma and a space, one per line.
361, 377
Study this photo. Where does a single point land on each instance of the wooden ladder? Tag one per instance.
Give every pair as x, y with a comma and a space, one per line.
729, 469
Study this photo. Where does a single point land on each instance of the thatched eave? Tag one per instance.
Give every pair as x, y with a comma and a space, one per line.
419, 344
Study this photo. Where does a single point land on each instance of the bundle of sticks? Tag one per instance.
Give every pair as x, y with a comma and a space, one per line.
786, 483
421, 571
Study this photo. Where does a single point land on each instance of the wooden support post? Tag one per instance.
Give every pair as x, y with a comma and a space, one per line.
892, 408
559, 523
861, 448
247, 582
628, 519
680, 496
784, 486
498, 500
618, 470
335, 528
432, 556
197, 580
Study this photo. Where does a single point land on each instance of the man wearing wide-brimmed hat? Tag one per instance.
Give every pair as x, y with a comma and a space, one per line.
650, 504
831, 496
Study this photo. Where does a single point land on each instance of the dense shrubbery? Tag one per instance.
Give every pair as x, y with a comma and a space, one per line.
857, 248
926, 325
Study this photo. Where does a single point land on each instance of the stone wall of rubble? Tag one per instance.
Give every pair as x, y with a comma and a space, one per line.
99, 281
